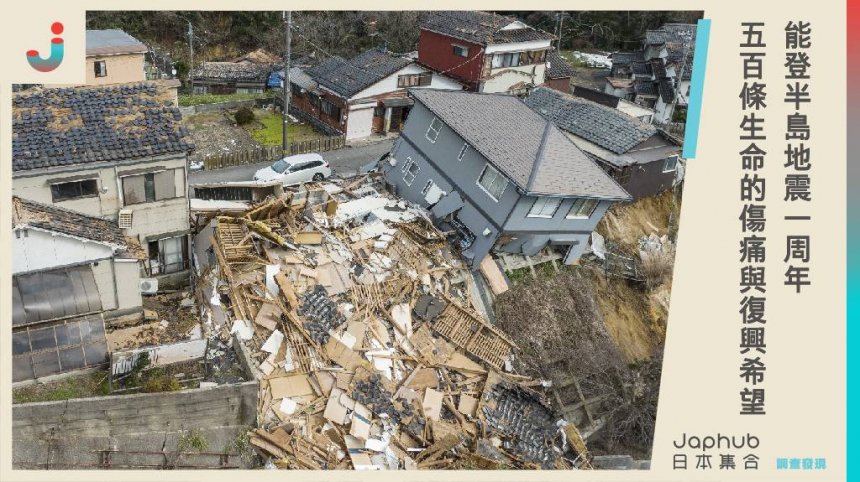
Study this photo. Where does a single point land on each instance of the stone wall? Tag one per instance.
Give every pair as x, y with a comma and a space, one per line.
141, 431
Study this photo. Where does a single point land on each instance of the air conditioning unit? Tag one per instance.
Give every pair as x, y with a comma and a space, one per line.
149, 286
125, 216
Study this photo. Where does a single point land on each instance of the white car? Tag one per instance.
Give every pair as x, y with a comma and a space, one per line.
296, 169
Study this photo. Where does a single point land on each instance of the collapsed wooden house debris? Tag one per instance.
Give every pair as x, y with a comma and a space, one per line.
358, 318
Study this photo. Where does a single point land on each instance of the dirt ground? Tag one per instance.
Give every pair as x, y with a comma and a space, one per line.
215, 133
625, 223
179, 322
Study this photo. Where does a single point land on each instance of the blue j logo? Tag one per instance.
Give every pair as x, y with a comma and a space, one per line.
56, 56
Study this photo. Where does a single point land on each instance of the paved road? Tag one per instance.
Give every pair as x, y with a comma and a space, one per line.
343, 161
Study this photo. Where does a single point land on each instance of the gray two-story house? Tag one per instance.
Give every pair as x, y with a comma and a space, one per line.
498, 174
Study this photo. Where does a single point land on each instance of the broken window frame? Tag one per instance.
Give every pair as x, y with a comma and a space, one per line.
493, 182
77, 188
435, 130
409, 173
544, 207
100, 68
582, 208
622, 175
674, 164
159, 254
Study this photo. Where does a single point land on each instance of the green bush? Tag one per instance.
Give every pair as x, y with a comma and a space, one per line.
244, 116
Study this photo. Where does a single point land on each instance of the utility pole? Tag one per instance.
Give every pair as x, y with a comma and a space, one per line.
286, 86
191, 48
560, 22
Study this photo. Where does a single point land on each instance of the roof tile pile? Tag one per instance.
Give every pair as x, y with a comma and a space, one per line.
81, 125
233, 72
71, 223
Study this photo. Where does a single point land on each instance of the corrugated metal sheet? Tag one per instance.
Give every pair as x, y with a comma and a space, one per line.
48, 295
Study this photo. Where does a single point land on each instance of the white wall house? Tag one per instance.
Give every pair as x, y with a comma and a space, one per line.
129, 174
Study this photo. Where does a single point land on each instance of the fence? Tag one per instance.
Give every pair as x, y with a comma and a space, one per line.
272, 153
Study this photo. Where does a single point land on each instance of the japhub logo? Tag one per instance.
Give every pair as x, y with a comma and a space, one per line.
55, 58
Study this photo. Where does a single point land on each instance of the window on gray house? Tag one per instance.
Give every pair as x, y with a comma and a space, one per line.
65, 191
461, 51
670, 164
411, 171
149, 187
100, 68
462, 151
493, 182
167, 255
434, 130
544, 207
406, 164
582, 208
427, 187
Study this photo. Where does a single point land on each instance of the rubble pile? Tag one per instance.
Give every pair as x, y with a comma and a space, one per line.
358, 319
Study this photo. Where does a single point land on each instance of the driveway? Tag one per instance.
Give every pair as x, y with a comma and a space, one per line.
343, 161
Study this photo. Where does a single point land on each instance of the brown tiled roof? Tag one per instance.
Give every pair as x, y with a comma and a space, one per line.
72, 223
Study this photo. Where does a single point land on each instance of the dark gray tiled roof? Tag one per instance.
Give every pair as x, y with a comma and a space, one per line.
641, 69
666, 89
628, 57
557, 67
645, 87
113, 41
607, 127
659, 68
349, 77
233, 72
80, 125
482, 28
671, 32
528, 149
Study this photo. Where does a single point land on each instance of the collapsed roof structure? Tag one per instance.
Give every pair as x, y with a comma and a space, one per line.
366, 333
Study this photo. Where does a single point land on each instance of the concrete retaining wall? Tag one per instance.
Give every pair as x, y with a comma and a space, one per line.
221, 106
143, 430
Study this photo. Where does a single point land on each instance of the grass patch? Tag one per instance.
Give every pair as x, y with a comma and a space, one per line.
192, 440
197, 99
81, 386
270, 126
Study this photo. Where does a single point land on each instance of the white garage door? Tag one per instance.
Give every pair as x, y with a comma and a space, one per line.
360, 122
